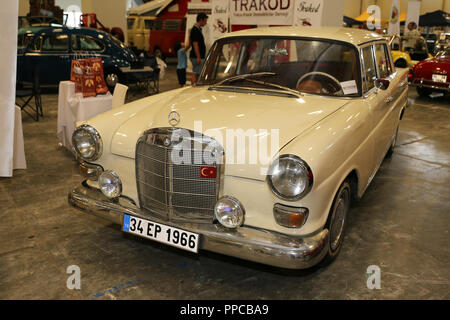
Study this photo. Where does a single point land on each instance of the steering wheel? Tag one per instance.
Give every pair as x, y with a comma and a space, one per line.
336, 81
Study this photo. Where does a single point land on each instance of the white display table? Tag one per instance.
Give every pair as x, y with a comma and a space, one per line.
72, 107
19, 161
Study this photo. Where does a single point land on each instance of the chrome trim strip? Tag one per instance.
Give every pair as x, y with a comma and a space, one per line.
175, 192
97, 139
258, 245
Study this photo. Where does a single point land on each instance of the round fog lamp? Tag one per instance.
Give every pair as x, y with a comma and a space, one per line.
110, 184
229, 212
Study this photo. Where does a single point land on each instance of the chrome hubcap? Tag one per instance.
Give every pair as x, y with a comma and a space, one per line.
339, 215
111, 79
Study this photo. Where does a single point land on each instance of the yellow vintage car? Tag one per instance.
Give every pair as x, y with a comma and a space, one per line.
402, 58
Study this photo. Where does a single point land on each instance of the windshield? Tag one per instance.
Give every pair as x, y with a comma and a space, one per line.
310, 66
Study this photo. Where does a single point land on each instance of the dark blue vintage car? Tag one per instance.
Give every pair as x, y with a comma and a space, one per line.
52, 49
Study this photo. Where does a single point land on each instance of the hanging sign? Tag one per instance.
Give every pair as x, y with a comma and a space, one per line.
412, 14
261, 12
308, 13
394, 20
219, 18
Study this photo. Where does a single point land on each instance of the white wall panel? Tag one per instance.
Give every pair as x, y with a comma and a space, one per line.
9, 12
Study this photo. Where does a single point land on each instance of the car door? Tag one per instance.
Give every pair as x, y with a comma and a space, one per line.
387, 118
50, 53
371, 101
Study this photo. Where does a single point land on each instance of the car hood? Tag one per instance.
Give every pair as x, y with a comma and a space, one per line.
218, 113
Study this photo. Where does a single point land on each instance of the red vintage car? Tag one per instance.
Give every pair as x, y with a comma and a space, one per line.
432, 74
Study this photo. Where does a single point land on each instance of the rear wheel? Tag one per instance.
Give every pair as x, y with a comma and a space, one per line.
423, 92
337, 221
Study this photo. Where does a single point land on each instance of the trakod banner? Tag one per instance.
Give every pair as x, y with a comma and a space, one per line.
261, 12
308, 13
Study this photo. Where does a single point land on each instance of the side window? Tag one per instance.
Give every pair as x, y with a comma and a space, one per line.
85, 43
148, 24
382, 60
37, 44
369, 68
130, 23
157, 25
23, 40
172, 25
55, 42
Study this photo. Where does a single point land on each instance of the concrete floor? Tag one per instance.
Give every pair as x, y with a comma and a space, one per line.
401, 225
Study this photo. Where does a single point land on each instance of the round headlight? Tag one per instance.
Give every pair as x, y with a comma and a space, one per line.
229, 212
290, 178
110, 184
87, 143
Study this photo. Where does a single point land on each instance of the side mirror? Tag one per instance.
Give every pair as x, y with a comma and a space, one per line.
382, 84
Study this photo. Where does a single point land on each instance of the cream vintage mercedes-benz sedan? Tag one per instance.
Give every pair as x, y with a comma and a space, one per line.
260, 159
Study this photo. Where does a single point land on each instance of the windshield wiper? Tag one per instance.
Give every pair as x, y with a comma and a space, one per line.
276, 86
244, 76
247, 75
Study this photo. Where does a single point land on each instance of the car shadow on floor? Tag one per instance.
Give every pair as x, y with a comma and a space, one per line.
236, 262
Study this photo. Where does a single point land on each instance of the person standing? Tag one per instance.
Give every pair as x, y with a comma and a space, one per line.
411, 36
198, 52
182, 62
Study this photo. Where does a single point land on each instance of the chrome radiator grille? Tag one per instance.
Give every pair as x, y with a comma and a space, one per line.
174, 189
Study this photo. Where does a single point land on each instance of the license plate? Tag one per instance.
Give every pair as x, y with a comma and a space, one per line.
439, 78
159, 232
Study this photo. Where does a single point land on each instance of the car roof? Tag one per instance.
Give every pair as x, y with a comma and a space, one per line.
350, 35
40, 29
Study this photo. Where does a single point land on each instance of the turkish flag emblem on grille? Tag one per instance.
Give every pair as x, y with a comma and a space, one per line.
208, 172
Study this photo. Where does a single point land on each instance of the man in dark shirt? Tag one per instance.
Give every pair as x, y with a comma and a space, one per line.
198, 51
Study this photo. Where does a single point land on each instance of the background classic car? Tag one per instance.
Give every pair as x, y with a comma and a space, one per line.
432, 74
333, 95
53, 48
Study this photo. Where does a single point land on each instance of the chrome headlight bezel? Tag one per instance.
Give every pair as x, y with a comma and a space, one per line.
307, 174
98, 143
110, 184
237, 212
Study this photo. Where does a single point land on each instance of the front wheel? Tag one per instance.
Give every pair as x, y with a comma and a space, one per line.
401, 63
337, 221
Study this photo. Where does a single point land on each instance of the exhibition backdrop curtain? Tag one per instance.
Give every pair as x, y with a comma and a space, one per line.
9, 11
394, 19
413, 13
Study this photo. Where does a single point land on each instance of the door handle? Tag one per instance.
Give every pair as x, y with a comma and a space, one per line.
388, 99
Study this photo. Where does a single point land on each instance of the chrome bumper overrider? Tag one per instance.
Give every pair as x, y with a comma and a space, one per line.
247, 243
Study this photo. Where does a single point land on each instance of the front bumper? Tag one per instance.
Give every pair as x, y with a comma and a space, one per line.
247, 243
